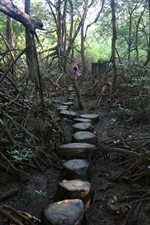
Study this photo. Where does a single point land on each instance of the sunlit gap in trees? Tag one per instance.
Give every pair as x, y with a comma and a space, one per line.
20, 3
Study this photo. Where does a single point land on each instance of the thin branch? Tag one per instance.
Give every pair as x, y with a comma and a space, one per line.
7, 71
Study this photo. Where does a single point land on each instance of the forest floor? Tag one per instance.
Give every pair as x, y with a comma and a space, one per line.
115, 193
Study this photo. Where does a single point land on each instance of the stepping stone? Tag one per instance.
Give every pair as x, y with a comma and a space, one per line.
68, 113
71, 98
72, 93
75, 149
81, 120
93, 117
74, 189
85, 137
70, 88
82, 127
77, 169
68, 103
62, 107
66, 212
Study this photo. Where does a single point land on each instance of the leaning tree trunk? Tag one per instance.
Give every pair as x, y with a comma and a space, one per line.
32, 60
114, 37
30, 22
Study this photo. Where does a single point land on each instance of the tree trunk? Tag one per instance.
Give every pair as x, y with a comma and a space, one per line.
61, 33
114, 37
9, 35
148, 51
129, 37
83, 41
137, 34
9, 31
32, 60
31, 23
84, 31
77, 90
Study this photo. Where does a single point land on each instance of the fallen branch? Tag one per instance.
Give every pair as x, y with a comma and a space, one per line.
140, 156
20, 172
26, 217
60, 130
6, 131
9, 194
10, 217
7, 71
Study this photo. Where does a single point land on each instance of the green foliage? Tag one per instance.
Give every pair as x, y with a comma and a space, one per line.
99, 36
101, 60
114, 121
3, 19
18, 136
40, 192
20, 155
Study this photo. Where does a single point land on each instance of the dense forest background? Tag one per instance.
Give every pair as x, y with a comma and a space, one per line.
72, 25
39, 42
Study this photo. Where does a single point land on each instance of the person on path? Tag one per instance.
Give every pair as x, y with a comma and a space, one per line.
76, 71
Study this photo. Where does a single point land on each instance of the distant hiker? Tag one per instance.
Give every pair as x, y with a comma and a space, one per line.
76, 71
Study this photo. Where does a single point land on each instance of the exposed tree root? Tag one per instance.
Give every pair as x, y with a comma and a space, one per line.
18, 217
9, 194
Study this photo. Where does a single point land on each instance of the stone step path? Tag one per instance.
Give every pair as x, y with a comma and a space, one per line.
73, 195
68, 113
85, 137
74, 189
93, 117
62, 107
71, 150
82, 127
68, 103
77, 169
66, 212
81, 120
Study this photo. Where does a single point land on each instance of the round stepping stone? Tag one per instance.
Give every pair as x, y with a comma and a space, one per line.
68, 113
82, 127
81, 120
71, 98
77, 169
85, 137
70, 88
75, 149
93, 117
62, 107
72, 93
68, 103
66, 212
74, 189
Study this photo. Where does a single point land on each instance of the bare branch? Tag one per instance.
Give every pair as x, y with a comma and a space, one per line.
30, 22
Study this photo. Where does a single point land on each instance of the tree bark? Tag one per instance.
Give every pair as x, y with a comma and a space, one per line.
9, 31
148, 51
32, 60
84, 31
30, 22
114, 37
137, 33
77, 90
